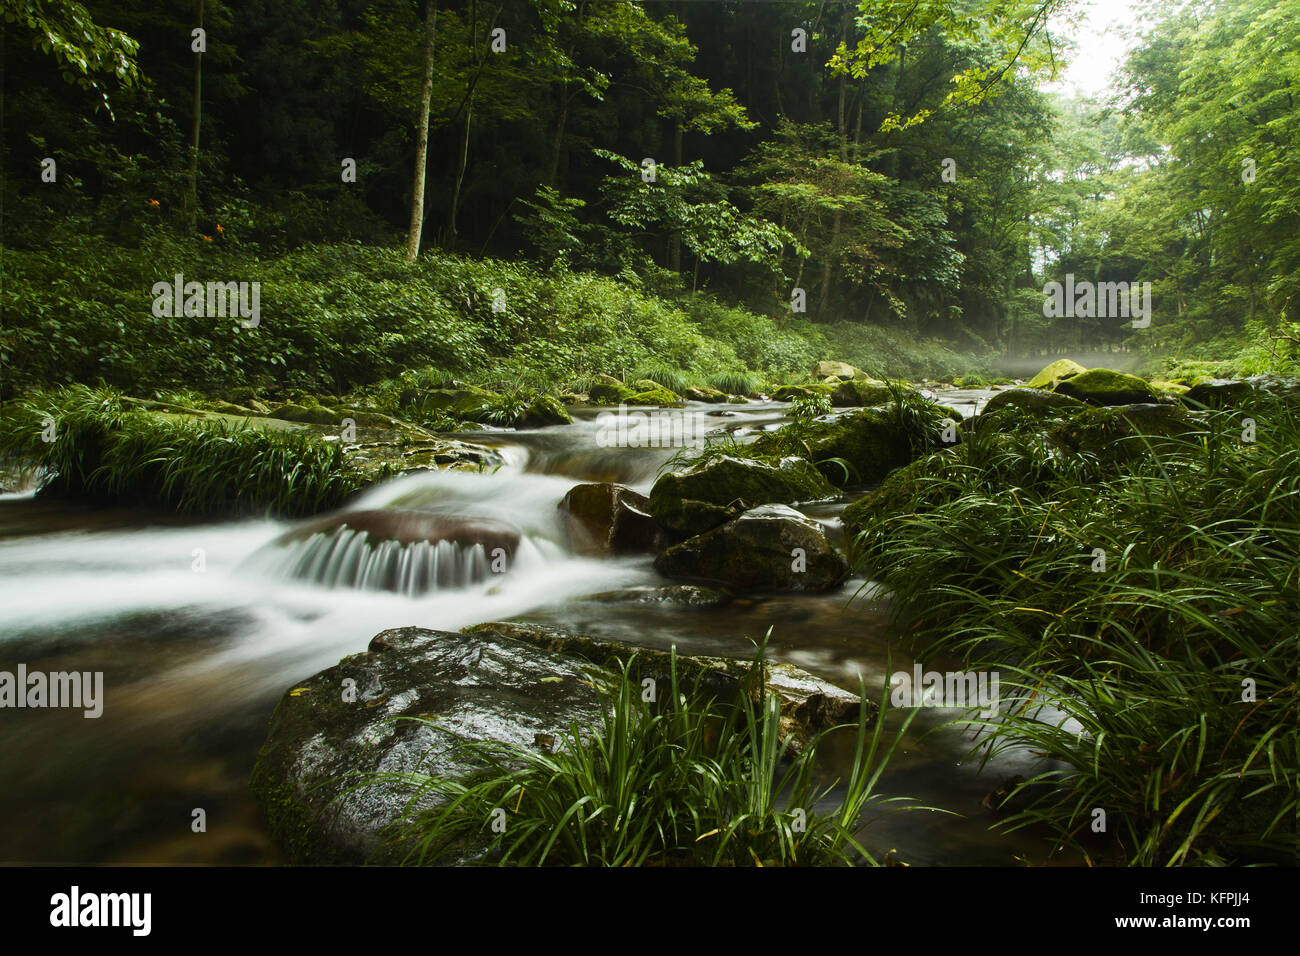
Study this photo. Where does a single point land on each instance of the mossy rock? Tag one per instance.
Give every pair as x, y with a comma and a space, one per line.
873, 441
1033, 401
544, 410
1103, 386
656, 395
1219, 392
788, 393
467, 402
970, 381
1115, 435
702, 393
841, 370
753, 553
858, 391
707, 494
1055, 373
609, 393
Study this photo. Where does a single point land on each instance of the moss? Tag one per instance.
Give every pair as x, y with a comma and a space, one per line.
701, 497
609, 393
1033, 401
1103, 386
788, 393
874, 441
654, 395
1058, 371
861, 392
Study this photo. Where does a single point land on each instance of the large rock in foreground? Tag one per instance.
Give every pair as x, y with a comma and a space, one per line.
707, 494
772, 548
513, 683
1103, 386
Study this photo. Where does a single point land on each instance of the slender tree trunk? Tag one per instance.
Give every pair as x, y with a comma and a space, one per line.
462, 155
558, 145
675, 240
192, 193
461, 160
422, 136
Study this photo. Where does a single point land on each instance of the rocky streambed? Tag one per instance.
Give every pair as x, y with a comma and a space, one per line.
601, 549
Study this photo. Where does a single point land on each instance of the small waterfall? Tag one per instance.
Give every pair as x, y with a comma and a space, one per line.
348, 558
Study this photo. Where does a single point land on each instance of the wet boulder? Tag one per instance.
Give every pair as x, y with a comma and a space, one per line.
1055, 373
543, 410
1035, 402
840, 370
410, 552
872, 441
1113, 435
611, 392
465, 402
861, 392
1218, 392
702, 393
809, 705
788, 393
1103, 386
604, 518
713, 491
646, 392
769, 548
401, 706
321, 744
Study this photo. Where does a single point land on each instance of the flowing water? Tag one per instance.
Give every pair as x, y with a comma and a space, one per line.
200, 627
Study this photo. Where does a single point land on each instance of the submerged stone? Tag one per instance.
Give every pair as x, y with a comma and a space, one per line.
709, 493
769, 548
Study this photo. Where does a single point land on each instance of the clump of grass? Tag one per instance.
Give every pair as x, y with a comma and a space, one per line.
808, 407
735, 382
1135, 593
101, 450
670, 377
689, 781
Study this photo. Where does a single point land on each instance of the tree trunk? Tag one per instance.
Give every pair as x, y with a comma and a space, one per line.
192, 193
461, 159
675, 240
422, 136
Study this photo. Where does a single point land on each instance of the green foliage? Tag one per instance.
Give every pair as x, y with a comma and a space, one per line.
990, 550
809, 406
688, 781
101, 449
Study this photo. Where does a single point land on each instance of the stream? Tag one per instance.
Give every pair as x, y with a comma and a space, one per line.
198, 634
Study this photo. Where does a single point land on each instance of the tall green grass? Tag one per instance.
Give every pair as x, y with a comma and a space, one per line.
692, 780
991, 550
103, 450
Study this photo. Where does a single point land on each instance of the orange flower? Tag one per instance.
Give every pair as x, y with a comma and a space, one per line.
206, 238
220, 230
153, 202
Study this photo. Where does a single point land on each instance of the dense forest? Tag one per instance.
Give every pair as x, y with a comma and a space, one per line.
316, 314
898, 163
